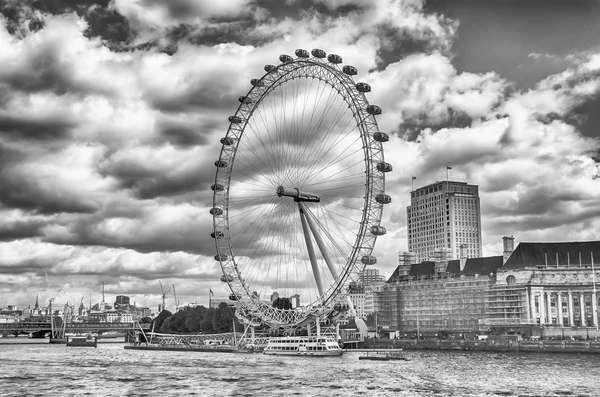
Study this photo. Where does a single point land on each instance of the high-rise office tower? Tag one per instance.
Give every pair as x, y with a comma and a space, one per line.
442, 217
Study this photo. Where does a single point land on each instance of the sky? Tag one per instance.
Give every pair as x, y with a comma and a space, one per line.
111, 113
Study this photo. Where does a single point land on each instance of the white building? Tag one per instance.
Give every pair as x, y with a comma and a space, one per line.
442, 217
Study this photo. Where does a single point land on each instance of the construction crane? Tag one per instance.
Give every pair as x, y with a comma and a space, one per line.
176, 301
164, 295
51, 314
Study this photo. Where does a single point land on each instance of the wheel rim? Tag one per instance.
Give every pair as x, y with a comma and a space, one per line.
304, 126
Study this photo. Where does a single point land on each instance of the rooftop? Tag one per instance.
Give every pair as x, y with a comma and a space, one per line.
565, 254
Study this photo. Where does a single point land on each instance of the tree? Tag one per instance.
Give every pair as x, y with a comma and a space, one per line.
206, 324
158, 321
166, 325
145, 320
282, 303
223, 318
194, 318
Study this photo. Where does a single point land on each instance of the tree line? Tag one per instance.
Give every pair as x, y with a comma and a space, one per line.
196, 319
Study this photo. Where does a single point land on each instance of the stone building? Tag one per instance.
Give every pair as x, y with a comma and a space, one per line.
448, 296
544, 289
546, 285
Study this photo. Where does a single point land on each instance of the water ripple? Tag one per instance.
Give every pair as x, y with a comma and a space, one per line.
109, 370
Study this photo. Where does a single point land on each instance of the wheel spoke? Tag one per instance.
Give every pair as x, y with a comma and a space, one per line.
305, 126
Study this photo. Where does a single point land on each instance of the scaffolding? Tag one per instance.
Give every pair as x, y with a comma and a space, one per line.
436, 304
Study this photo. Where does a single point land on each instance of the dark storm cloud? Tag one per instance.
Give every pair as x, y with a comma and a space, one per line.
210, 95
103, 20
22, 192
184, 134
166, 270
21, 229
412, 126
147, 181
190, 237
291, 9
22, 189
44, 70
34, 128
34, 265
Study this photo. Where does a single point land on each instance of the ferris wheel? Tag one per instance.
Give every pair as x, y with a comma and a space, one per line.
299, 190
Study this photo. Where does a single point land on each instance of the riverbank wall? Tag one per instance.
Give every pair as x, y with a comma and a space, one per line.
534, 346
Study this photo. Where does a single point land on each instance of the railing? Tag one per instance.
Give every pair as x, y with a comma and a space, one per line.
39, 326
505, 321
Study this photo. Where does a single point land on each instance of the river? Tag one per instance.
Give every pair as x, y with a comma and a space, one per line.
110, 370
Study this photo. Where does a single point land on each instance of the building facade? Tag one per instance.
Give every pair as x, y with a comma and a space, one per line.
547, 285
438, 297
442, 218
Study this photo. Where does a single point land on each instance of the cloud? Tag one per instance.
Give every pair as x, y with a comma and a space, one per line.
112, 114
425, 91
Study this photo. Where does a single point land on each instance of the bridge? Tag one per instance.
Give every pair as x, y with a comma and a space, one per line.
36, 327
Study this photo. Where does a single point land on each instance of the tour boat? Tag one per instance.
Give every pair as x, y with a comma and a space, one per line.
303, 346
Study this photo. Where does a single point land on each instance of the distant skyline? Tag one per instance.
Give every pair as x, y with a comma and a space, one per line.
111, 113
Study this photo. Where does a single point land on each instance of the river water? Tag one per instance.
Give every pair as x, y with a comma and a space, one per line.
110, 370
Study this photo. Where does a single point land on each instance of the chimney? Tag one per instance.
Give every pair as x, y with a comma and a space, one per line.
441, 256
463, 256
405, 262
508, 243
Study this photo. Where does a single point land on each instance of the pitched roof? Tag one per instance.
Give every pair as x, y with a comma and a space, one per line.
422, 269
473, 266
546, 254
482, 266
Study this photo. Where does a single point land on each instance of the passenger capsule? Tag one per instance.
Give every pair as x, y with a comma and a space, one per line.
217, 234
285, 58
257, 83
226, 278
217, 187
349, 70
269, 68
221, 163
368, 260
374, 110
245, 99
378, 230
363, 87
340, 307
333, 58
383, 198
300, 53
384, 167
227, 141
354, 286
235, 119
317, 53
234, 297
216, 211
221, 257
381, 137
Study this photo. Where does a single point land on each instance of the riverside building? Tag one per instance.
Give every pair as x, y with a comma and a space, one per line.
442, 218
433, 298
544, 290
550, 288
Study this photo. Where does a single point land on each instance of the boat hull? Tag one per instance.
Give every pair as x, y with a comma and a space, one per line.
318, 346
305, 353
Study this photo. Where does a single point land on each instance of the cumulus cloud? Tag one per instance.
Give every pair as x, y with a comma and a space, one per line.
111, 115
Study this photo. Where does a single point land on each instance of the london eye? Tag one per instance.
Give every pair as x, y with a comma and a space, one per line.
299, 190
